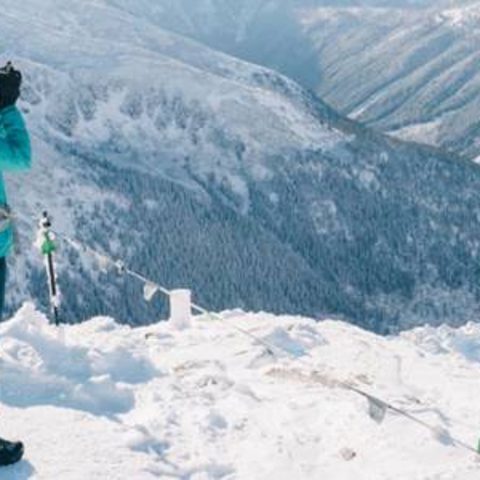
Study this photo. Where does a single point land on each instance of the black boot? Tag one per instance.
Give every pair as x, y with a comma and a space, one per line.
10, 452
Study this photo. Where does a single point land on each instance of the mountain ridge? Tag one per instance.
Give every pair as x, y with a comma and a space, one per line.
343, 51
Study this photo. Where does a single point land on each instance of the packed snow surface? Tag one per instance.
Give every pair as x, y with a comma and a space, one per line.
104, 401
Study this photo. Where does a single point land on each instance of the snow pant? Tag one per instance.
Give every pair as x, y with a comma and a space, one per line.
3, 279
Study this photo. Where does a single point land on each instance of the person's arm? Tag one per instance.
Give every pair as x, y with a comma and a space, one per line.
15, 150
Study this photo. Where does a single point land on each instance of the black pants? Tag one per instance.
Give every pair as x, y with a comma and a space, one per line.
3, 278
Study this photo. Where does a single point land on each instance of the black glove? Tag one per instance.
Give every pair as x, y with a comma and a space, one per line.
10, 82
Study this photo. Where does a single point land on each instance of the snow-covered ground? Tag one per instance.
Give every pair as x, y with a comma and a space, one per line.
104, 401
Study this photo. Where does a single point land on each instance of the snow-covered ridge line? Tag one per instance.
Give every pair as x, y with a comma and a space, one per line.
400, 63
465, 17
207, 403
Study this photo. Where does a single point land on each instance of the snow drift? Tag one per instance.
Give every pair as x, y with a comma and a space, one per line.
99, 400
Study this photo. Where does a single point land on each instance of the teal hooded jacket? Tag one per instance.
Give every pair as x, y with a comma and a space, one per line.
15, 156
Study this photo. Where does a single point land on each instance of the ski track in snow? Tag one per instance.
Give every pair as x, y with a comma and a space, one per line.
99, 400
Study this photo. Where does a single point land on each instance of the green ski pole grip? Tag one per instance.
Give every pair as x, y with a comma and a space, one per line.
48, 246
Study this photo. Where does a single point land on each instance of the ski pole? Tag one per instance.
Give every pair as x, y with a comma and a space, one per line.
46, 244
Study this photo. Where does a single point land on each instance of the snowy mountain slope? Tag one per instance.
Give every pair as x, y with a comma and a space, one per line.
104, 401
406, 67
203, 171
434, 80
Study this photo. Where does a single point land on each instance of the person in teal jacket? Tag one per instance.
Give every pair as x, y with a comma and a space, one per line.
15, 156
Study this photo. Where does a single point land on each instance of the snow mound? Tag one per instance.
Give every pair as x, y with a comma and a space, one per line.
100, 400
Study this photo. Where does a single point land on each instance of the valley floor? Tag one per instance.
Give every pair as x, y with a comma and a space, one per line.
104, 401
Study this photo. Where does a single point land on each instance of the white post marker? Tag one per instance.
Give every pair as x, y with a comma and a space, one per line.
181, 309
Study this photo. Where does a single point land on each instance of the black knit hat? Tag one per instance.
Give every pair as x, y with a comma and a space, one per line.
10, 82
